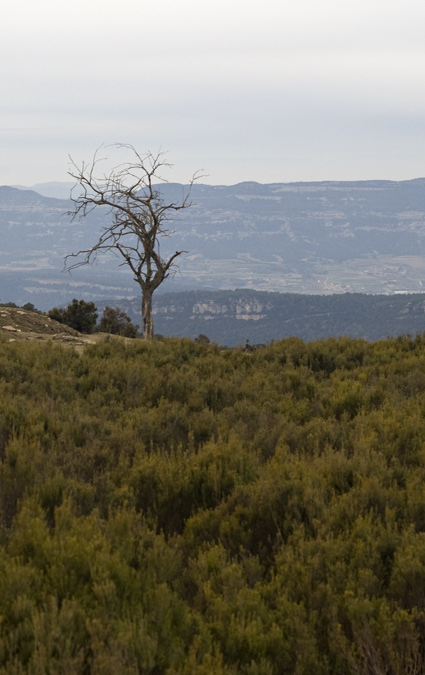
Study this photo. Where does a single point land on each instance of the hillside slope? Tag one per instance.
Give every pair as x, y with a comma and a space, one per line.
21, 325
232, 317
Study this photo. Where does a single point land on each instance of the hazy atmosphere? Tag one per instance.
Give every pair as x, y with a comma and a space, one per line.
271, 91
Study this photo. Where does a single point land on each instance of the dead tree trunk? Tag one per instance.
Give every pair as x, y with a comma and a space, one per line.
147, 319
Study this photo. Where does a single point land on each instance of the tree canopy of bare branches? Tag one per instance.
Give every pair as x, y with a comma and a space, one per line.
137, 219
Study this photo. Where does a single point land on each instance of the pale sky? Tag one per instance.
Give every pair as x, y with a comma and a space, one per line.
271, 91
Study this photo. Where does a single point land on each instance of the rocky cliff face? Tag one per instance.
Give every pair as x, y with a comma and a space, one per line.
239, 307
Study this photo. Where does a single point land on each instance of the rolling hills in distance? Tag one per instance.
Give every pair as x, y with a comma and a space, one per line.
303, 256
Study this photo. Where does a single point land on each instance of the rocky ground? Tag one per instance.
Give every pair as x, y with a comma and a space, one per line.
19, 325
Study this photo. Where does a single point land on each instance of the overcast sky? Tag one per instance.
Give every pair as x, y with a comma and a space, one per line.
271, 90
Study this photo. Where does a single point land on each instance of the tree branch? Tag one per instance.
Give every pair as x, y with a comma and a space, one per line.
139, 214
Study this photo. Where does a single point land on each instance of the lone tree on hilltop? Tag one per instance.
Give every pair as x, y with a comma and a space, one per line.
139, 219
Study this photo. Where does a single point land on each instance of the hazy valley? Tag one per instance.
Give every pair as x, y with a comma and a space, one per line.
299, 238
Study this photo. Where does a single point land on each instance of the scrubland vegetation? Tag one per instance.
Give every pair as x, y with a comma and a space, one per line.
172, 507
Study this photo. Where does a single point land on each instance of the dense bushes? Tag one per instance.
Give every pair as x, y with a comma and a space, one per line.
171, 507
82, 316
117, 322
79, 315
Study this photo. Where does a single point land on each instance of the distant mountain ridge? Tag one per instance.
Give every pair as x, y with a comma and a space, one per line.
310, 238
55, 189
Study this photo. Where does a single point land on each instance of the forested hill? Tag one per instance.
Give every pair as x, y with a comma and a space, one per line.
232, 317
173, 508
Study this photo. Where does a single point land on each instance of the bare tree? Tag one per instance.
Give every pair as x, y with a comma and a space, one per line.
139, 219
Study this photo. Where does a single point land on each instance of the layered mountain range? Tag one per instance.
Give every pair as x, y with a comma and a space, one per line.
306, 238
